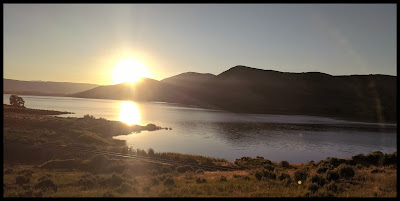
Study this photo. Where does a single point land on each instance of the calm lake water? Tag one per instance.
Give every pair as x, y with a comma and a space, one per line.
222, 134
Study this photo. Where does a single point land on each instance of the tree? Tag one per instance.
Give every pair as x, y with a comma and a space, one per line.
17, 101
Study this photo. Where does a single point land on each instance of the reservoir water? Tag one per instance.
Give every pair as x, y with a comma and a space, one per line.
223, 134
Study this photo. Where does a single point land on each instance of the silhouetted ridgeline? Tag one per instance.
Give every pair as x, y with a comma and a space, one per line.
243, 89
251, 90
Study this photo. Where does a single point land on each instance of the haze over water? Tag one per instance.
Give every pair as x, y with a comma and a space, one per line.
223, 134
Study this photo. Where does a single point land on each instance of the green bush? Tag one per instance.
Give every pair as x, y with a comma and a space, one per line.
345, 171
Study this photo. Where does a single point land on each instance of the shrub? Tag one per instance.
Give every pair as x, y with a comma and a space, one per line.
115, 180
222, 178
124, 188
331, 175
185, 168
247, 178
283, 176
46, 184
199, 181
258, 175
200, 171
359, 166
88, 116
97, 162
335, 162
151, 152
300, 175
37, 194
17, 101
154, 182
331, 187
108, 194
390, 159
323, 168
169, 181
285, 164
313, 187
86, 183
27, 173
166, 169
152, 172
22, 179
28, 193
26, 187
162, 177
345, 171
9, 171
269, 167
374, 171
319, 180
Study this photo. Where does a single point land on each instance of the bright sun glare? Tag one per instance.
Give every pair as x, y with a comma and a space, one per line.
129, 70
129, 113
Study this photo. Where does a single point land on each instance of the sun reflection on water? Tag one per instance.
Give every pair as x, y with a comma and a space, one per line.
129, 113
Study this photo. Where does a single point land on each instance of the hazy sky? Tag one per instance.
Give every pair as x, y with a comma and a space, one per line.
83, 42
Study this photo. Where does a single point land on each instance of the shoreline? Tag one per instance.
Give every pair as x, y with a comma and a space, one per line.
353, 120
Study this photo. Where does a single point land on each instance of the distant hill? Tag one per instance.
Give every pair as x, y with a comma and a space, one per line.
144, 90
43, 88
249, 90
188, 79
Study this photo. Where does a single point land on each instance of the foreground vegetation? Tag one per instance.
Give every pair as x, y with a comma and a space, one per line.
34, 171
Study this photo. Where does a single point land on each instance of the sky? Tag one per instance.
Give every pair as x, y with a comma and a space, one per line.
83, 42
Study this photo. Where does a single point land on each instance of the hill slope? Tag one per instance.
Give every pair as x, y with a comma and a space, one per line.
41, 87
244, 89
250, 90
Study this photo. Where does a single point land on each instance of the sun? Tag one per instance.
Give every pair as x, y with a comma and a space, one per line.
129, 70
